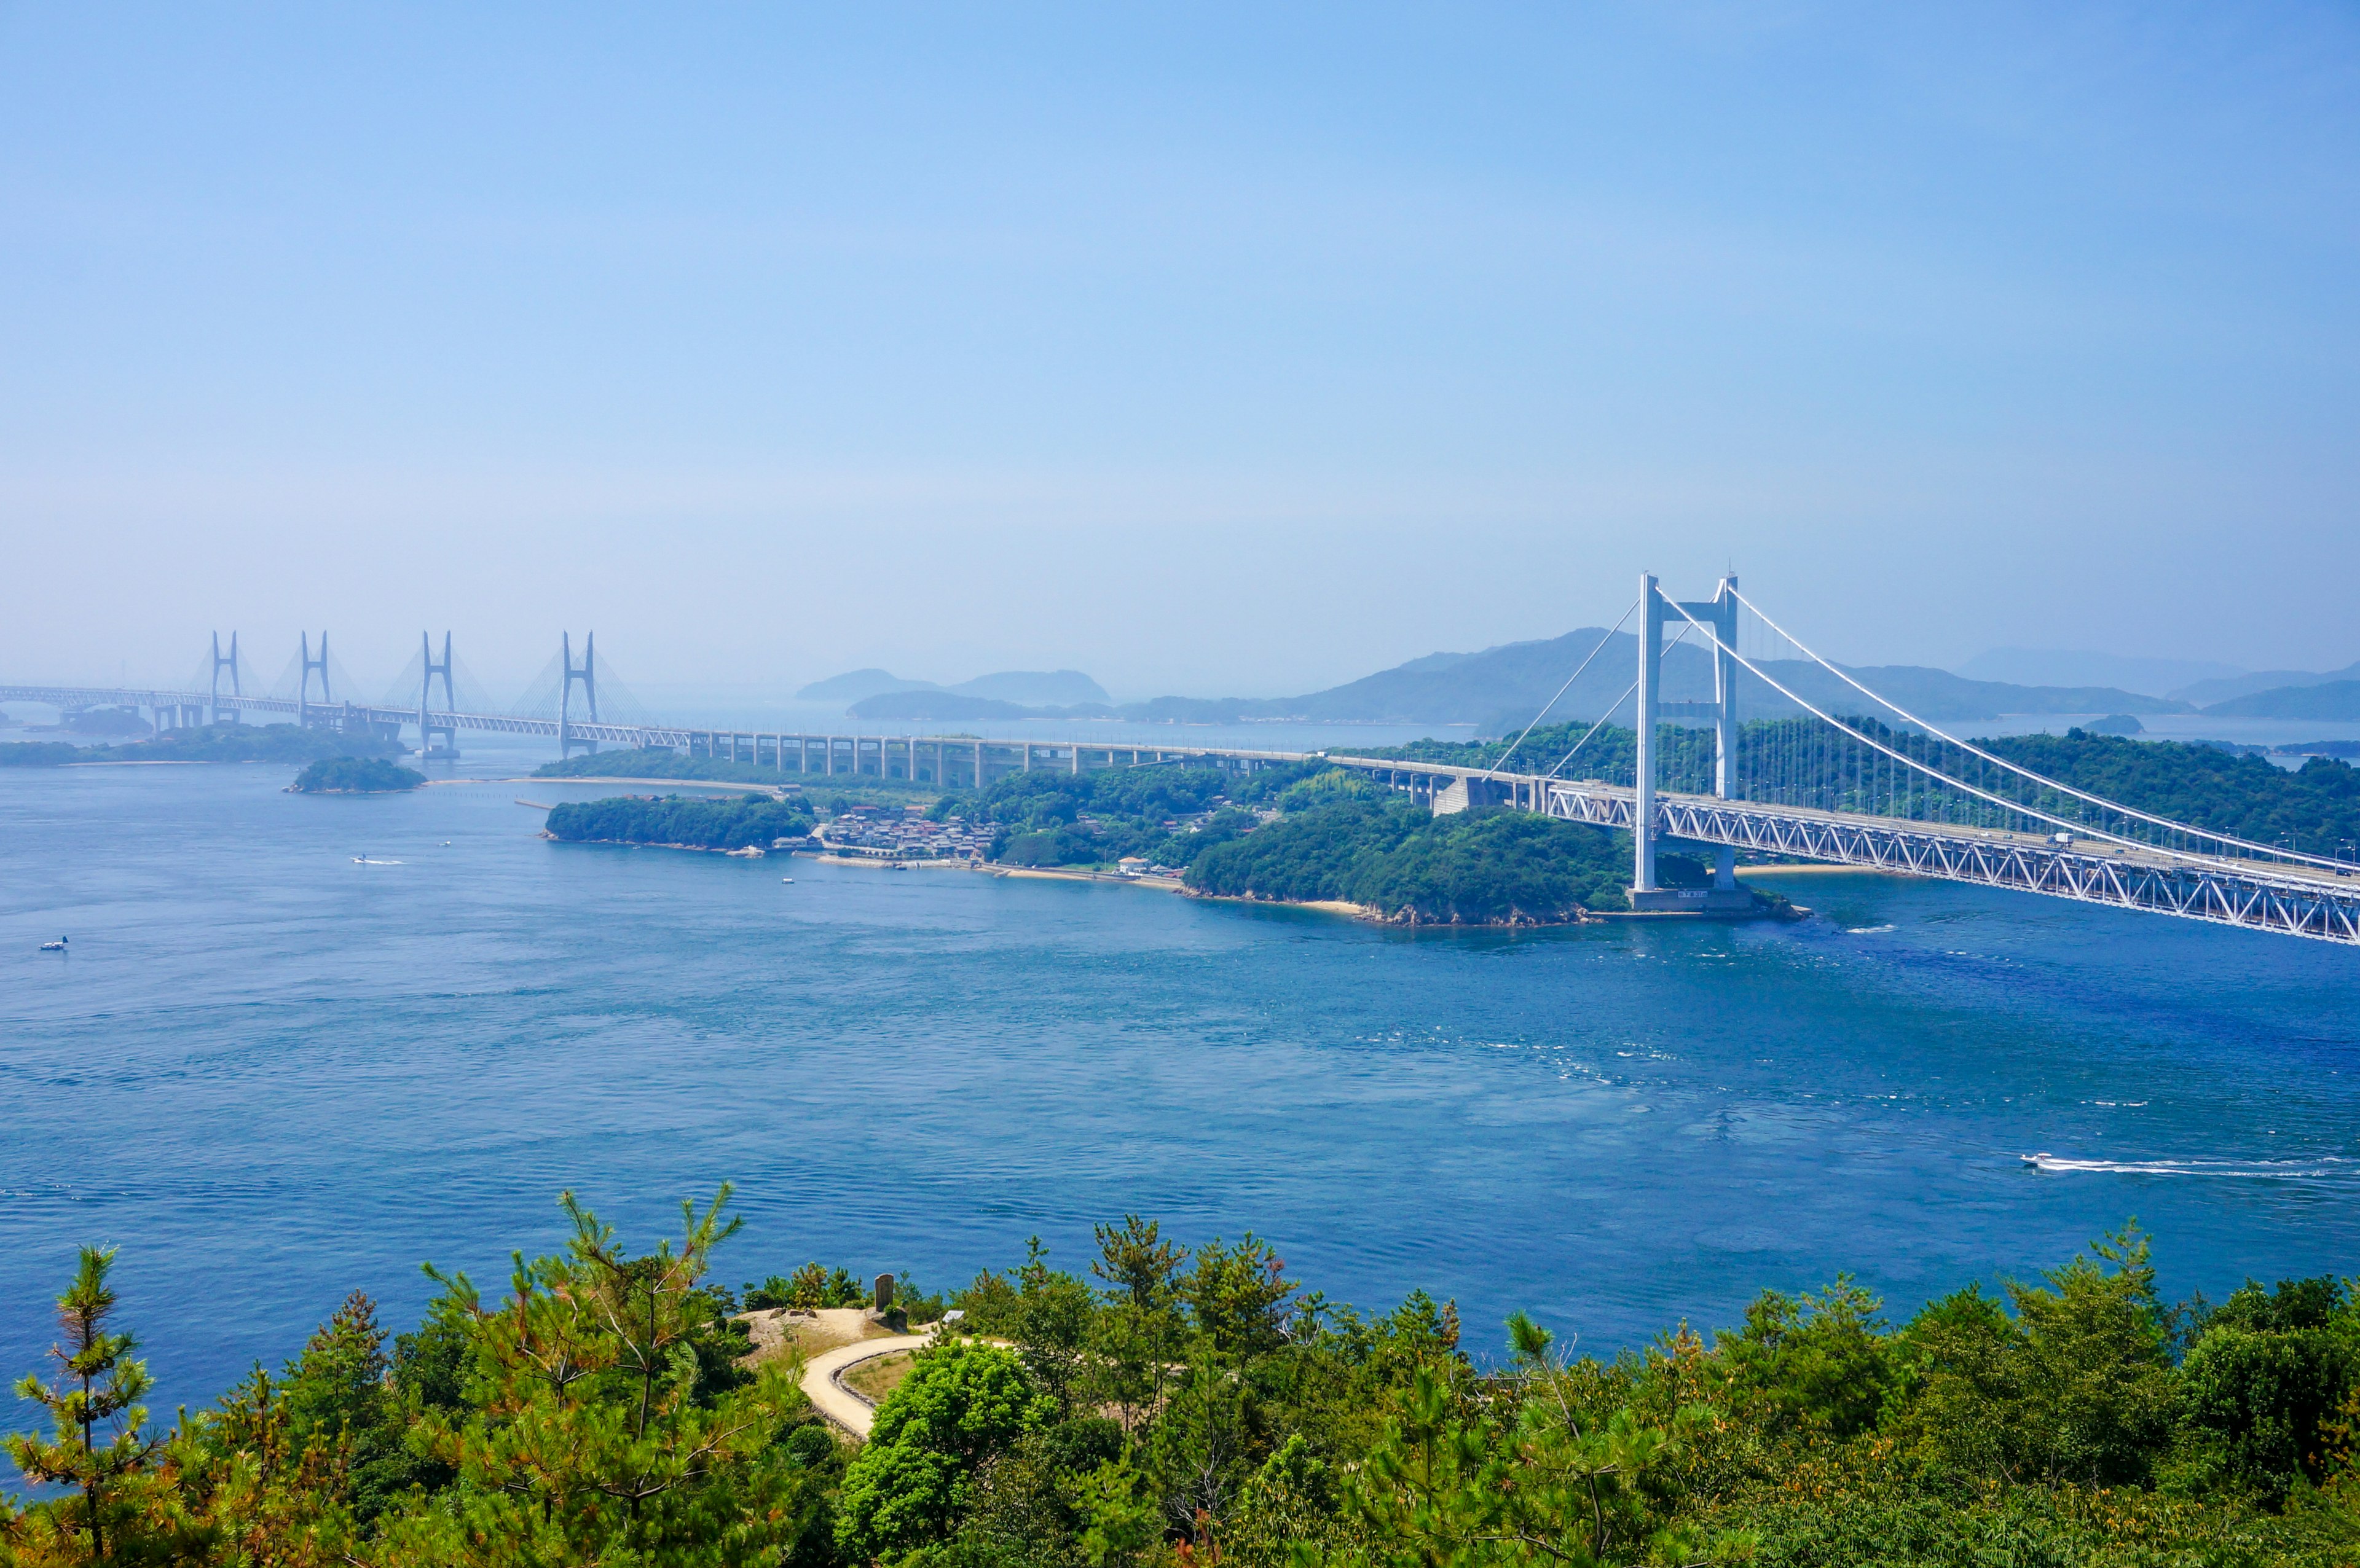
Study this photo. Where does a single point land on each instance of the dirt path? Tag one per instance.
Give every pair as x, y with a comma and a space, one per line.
823, 1378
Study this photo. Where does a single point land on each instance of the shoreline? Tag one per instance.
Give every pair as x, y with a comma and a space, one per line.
1371, 915
1367, 914
751, 852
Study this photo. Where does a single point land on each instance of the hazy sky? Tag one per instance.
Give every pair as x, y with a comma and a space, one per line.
1209, 350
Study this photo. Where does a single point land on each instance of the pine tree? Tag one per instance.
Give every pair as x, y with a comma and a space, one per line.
93, 1404
590, 1433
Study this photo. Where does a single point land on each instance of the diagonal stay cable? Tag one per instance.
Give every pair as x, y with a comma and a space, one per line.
1561, 690
2265, 851
1912, 763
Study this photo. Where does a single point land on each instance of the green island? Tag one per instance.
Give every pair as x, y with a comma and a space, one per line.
1174, 1406
209, 742
354, 775
1367, 846
1313, 833
1167, 815
675, 821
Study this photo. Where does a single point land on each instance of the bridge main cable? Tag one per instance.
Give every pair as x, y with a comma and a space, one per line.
2006, 805
2265, 851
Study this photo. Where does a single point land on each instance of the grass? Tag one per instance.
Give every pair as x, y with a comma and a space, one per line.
872, 1380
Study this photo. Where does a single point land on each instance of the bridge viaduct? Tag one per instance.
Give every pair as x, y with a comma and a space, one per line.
2108, 855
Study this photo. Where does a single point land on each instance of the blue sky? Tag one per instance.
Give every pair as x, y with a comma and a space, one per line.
1210, 350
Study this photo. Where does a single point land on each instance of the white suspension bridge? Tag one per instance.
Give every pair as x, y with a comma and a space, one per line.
1854, 780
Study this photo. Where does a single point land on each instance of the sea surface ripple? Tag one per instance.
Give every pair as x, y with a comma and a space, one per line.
273, 1075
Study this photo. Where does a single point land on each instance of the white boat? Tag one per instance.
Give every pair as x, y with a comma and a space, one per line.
786, 878
57, 946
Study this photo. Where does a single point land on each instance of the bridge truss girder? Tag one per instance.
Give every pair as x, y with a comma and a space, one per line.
2222, 895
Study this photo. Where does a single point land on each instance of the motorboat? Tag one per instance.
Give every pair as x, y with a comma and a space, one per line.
786, 878
57, 946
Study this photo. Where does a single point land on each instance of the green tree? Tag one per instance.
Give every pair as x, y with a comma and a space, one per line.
1140, 1324
2094, 1399
1820, 1362
1051, 1324
97, 1424
961, 1405
1523, 1477
1238, 1297
2265, 1373
591, 1432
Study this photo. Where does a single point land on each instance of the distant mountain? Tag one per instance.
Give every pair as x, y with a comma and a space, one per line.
852, 685
1023, 688
2060, 667
1499, 687
1517, 678
939, 707
2204, 693
2327, 700
1056, 687
1936, 694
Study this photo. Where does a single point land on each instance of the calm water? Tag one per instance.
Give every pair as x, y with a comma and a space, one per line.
273, 1075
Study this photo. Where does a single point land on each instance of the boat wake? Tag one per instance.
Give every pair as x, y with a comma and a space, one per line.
1866, 931
2326, 1167
364, 860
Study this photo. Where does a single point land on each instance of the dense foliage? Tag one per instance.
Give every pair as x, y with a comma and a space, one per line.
1364, 845
211, 743
1175, 1406
1167, 814
354, 775
750, 821
2316, 807
1309, 832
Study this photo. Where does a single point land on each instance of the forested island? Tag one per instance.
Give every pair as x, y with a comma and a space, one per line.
1167, 1405
210, 742
1312, 834
1166, 815
1351, 842
354, 775
673, 821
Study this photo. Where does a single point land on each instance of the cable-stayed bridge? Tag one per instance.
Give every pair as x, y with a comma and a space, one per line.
1760, 748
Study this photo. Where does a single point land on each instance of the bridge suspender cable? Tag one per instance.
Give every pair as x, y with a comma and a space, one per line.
2266, 852
1561, 691
1611, 709
2016, 807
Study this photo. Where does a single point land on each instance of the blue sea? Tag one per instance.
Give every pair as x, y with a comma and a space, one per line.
272, 1076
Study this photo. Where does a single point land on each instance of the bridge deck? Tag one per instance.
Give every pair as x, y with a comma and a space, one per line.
2292, 898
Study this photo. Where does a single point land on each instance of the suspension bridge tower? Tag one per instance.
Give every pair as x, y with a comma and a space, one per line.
587, 674
427, 726
1717, 617
303, 689
225, 661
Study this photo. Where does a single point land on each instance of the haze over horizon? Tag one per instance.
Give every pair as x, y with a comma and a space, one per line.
1219, 354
